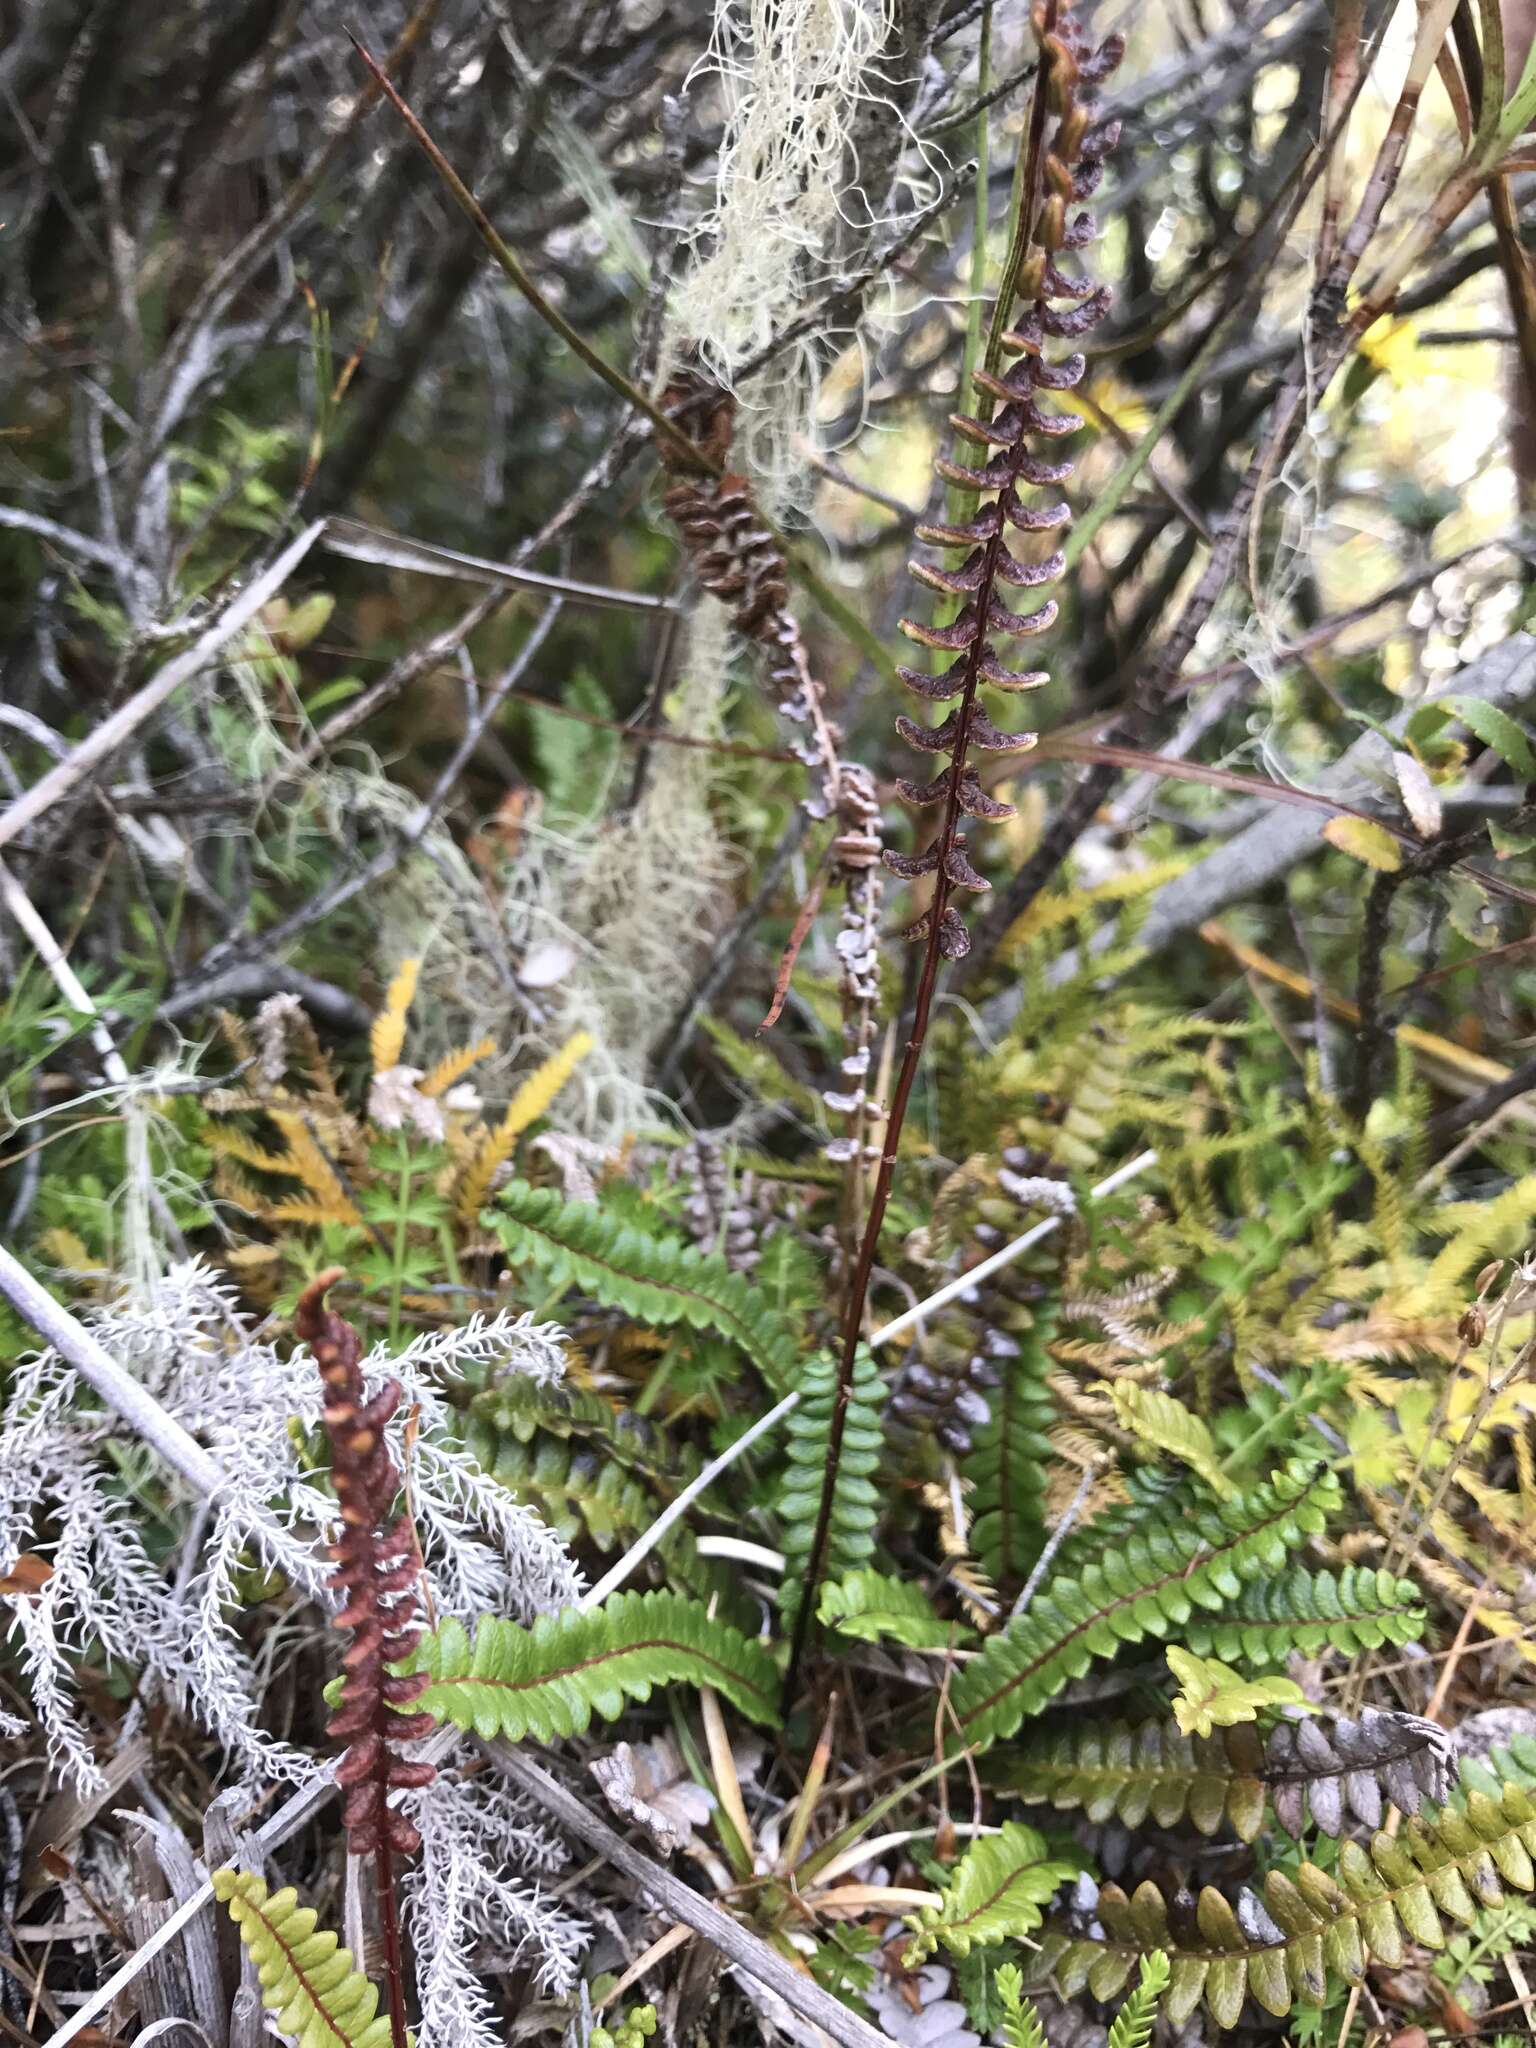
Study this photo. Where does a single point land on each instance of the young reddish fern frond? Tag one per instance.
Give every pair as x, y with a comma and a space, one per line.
378, 1568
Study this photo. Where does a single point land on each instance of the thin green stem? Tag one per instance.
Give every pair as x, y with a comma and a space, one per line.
402, 1227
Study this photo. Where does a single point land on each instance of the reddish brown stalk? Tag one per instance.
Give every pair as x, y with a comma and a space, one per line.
378, 1573
1062, 169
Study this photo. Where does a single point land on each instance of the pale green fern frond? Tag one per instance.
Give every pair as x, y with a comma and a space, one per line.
308, 1981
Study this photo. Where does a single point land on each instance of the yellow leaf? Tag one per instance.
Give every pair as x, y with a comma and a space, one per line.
1366, 841
1392, 346
526, 1106
387, 1039
1212, 1695
454, 1065
1158, 1419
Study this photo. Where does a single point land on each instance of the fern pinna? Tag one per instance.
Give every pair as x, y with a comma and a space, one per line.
378, 1570
1061, 165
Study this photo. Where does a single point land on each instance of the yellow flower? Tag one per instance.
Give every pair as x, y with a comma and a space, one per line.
1393, 347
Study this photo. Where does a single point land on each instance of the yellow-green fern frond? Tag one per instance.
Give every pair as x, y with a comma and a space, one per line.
455, 1065
1167, 1425
307, 1163
247, 1152
1048, 913
320, 1999
236, 1037
314, 1215
527, 1105
1478, 1231
386, 1041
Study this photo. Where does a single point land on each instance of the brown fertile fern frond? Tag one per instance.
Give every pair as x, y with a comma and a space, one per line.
1051, 306
378, 1571
738, 559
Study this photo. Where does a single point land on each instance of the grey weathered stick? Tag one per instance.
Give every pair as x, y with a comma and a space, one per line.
103, 740
362, 543
747, 1950
1276, 842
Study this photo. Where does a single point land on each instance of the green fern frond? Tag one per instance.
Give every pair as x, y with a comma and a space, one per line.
519, 1407
1021, 2026
574, 1488
997, 1891
855, 1499
1287, 1944
1358, 1608
659, 1280
549, 1680
1147, 1583
873, 1607
1167, 1425
1008, 1465
1118, 1771
307, 1979
1134, 2021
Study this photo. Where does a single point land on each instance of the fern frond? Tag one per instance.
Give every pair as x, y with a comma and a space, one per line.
997, 1891
1007, 1466
1144, 1582
855, 1500
1477, 1231
233, 1144
1358, 1608
454, 1066
1123, 1772
530, 1102
386, 1040
313, 1215
236, 1037
307, 1163
576, 1489
1134, 2021
873, 1607
1286, 1944
657, 1280
520, 1407
1167, 1425
549, 1680
1054, 909
1021, 2026
308, 1981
